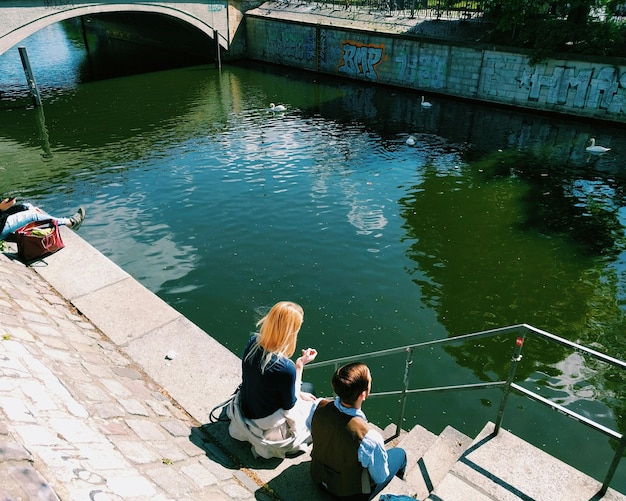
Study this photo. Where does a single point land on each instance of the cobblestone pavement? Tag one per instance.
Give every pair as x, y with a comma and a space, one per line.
79, 421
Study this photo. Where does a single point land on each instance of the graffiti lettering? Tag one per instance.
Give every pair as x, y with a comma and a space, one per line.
429, 70
292, 47
586, 88
597, 92
562, 79
360, 60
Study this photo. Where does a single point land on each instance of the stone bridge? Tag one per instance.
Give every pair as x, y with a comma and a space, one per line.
21, 18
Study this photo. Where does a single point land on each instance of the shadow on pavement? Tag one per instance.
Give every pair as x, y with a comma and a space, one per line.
219, 446
295, 484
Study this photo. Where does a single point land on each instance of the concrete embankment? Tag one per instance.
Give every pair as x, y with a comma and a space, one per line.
433, 56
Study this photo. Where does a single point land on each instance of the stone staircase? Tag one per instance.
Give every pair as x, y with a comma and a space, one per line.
453, 467
445, 467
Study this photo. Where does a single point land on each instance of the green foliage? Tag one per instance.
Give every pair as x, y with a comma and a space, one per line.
546, 29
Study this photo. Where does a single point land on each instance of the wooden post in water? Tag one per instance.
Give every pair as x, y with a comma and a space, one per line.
218, 60
30, 78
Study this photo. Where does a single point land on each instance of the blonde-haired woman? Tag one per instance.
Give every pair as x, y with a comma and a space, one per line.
271, 410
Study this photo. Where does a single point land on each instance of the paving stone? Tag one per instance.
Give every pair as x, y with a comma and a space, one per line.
167, 450
16, 410
11, 367
75, 431
52, 342
136, 452
46, 330
116, 387
146, 430
200, 474
234, 491
170, 479
158, 408
114, 428
191, 449
33, 483
223, 473
28, 306
131, 486
14, 348
18, 333
93, 392
108, 410
32, 317
77, 373
12, 451
134, 407
40, 396
104, 457
127, 372
97, 370
176, 428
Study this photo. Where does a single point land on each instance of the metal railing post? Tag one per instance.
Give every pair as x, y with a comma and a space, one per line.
30, 77
616, 460
517, 356
405, 387
218, 56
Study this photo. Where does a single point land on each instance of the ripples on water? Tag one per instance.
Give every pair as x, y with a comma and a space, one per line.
222, 209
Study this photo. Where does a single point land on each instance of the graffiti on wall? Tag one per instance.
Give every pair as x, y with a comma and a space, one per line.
360, 60
588, 88
291, 45
425, 70
592, 88
460, 71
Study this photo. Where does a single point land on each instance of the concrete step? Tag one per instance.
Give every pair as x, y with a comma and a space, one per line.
434, 464
429, 458
415, 443
506, 468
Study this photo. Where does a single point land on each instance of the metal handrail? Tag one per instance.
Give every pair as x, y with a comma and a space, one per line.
520, 331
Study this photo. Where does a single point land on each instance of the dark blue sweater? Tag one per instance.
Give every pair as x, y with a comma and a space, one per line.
264, 393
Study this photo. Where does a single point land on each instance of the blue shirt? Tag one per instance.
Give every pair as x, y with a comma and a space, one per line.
263, 393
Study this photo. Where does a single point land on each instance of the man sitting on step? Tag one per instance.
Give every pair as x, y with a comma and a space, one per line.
349, 459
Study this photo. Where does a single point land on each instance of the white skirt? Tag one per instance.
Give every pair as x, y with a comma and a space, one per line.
283, 432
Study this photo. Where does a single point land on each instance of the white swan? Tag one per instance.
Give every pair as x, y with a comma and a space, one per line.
596, 149
425, 104
276, 108
410, 141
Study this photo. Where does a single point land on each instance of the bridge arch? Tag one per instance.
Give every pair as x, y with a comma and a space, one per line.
42, 17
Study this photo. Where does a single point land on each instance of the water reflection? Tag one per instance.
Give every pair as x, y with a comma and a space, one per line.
492, 218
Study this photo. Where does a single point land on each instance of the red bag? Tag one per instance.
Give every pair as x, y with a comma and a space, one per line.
38, 239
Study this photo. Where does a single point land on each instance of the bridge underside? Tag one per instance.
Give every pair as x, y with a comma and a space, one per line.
147, 35
16, 24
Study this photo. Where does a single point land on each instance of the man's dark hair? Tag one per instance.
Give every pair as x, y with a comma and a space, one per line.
349, 381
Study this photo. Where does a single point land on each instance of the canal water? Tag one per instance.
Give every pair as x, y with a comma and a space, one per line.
493, 217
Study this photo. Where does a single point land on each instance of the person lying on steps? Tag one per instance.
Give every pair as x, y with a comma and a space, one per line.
13, 216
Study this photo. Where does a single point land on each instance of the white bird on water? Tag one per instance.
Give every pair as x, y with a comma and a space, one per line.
410, 141
425, 104
593, 148
276, 108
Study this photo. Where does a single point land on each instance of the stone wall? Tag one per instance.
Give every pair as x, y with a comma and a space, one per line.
582, 88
